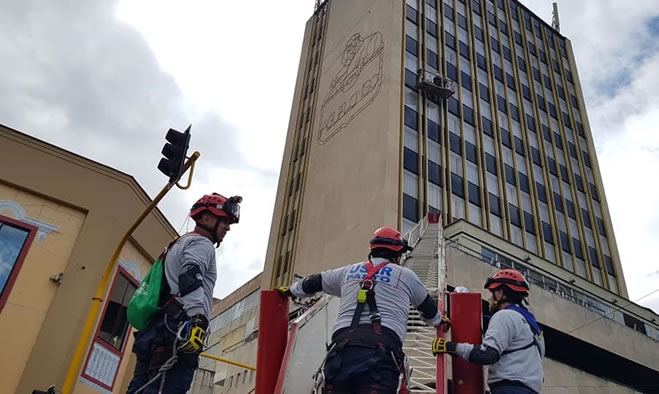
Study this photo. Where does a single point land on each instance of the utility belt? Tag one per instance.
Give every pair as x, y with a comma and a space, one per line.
509, 383
154, 345
364, 336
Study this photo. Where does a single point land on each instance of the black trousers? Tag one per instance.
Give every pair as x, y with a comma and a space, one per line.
356, 374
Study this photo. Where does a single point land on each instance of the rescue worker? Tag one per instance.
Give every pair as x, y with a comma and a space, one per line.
366, 353
186, 296
513, 346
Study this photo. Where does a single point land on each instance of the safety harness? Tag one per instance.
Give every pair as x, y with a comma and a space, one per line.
370, 336
533, 325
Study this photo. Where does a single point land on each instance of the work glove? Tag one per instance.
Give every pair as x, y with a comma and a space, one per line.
197, 326
285, 291
441, 346
445, 324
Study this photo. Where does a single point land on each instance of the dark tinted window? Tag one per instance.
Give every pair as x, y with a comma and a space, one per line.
470, 150
410, 45
514, 215
546, 232
474, 193
410, 118
558, 202
495, 209
411, 160
457, 185
542, 192
529, 223
434, 173
410, 208
455, 143
523, 182
510, 174
487, 126
491, 163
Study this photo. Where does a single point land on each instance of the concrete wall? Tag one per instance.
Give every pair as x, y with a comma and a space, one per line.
357, 109
92, 206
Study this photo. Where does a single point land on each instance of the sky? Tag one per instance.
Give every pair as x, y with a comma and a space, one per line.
106, 79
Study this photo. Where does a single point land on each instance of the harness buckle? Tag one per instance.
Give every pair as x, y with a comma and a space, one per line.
367, 284
375, 318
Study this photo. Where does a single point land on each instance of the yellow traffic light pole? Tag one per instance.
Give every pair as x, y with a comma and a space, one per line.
97, 301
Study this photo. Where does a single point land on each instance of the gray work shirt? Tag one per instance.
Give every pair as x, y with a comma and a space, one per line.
193, 250
508, 330
396, 287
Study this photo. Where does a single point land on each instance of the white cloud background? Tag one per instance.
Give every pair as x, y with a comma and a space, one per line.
106, 79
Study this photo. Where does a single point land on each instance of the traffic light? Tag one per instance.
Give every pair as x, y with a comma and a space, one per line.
174, 152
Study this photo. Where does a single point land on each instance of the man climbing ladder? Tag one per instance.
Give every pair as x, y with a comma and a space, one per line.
366, 353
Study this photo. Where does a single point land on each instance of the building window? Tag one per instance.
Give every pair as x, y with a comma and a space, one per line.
487, 126
474, 193
546, 231
514, 215
465, 80
434, 173
468, 114
529, 223
431, 27
495, 209
411, 45
542, 193
411, 160
15, 240
411, 118
411, 14
410, 79
107, 347
471, 152
491, 163
433, 59
510, 175
410, 208
457, 185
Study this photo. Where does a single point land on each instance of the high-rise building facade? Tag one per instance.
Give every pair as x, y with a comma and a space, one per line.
471, 108
372, 142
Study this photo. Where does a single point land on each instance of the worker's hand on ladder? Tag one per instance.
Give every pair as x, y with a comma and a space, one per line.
445, 324
285, 291
442, 346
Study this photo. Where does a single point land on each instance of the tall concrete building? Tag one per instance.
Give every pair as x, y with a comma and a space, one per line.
373, 140
470, 108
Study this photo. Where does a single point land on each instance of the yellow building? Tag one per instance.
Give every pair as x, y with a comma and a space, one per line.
61, 216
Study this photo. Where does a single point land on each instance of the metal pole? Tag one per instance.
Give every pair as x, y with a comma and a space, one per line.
97, 301
224, 360
441, 379
466, 311
273, 330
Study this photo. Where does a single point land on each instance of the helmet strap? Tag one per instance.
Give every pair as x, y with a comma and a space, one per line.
212, 231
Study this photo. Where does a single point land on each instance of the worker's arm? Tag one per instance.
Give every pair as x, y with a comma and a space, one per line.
424, 303
196, 255
328, 282
498, 337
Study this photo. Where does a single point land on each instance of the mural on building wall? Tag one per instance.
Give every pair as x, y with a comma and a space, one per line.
356, 83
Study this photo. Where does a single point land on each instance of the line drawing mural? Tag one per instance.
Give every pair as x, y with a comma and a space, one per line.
355, 85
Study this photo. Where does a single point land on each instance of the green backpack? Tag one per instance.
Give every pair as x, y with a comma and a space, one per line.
145, 302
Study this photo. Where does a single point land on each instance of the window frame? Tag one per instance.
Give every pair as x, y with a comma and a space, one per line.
98, 340
20, 259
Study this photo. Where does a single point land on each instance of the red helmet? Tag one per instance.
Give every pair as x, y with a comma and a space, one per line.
510, 278
218, 205
389, 238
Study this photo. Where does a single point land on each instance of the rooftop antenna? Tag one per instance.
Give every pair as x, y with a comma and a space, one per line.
554, 20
